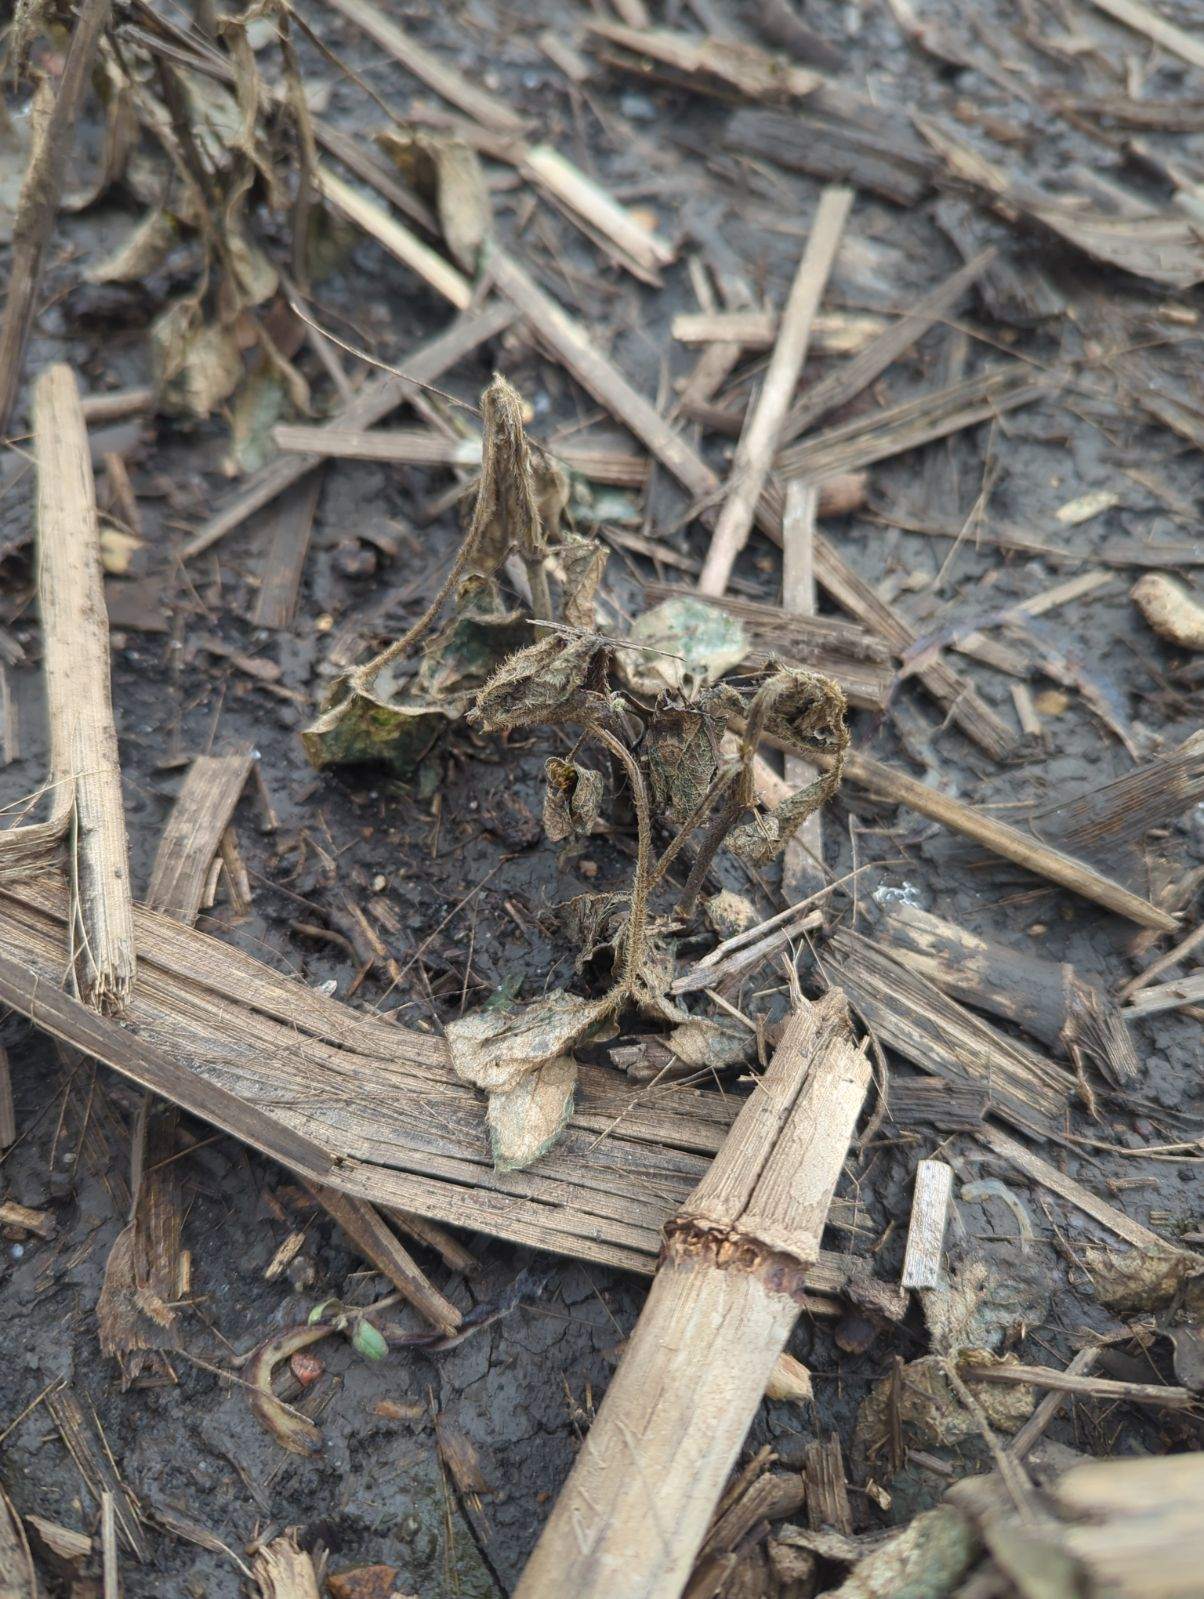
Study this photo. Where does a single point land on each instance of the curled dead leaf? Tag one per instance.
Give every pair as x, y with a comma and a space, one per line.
291, 1430
140, 253
572, 799
495, 1049
547, 682
447, 172
196, 364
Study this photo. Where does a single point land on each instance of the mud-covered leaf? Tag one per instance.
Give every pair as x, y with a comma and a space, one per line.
196, 364
496, 1049
364, 723
543, 683
525, 1121
480, 634
141, 252
583, 562
929, 1410
715, 1045
683, 643
980, 1307
572, 799
1137, 1279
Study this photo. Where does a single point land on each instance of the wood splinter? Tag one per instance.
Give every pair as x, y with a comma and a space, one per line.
635, 1509
926, 1233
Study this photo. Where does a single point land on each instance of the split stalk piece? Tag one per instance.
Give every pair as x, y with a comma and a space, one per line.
635, 1509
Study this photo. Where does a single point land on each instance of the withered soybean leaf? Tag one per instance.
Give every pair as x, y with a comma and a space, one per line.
196, 364
261, 402
546, 682
143, 250
572, 799
715, 1045
480, 634
525, 1121
807, 710
507, 514
761, 836
591, 921
681, 755
657, 969
496, 1049
684, 642
465, 215
583, 562
447, 172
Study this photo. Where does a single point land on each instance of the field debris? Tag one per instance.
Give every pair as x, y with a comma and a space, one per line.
600, 838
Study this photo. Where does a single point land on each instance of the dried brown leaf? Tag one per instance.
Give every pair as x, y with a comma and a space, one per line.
495, 1049
548, 682
292, 1431
525, 1121
572, 799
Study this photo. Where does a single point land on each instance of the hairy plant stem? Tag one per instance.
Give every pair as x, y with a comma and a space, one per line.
633, 954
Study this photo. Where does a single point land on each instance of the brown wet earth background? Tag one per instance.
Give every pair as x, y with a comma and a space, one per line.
459, 856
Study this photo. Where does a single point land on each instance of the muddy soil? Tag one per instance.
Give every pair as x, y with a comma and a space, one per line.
460, 860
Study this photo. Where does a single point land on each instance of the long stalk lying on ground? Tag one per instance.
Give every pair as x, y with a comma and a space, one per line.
635, 1509
1010, 842
1047, 998
85, 779
759, 442
374, 1109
